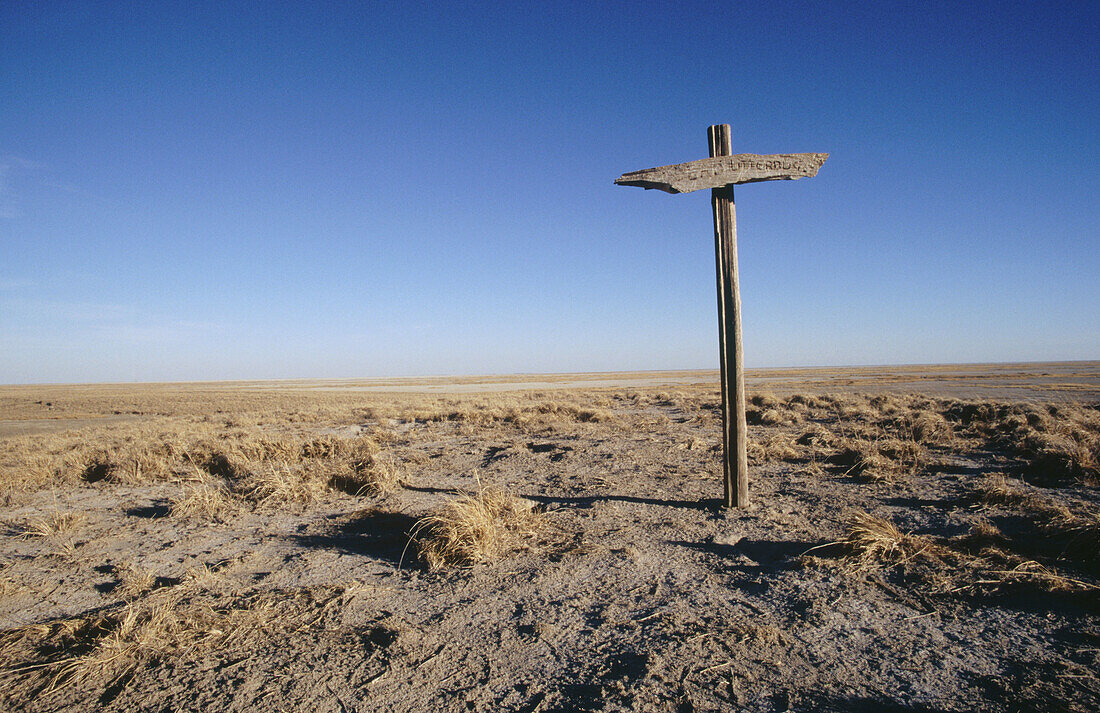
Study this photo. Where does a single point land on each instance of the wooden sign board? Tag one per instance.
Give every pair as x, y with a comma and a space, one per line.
725, 171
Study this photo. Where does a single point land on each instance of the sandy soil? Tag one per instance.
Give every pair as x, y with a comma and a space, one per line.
635, 594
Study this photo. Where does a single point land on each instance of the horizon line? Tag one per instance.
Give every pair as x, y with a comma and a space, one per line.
497, 375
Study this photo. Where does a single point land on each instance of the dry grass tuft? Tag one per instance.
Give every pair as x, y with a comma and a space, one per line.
365, 472
475, 528
265, 473
975, 563
57, 528
984, 537
779, 415
881, 460
692, 444
206, 498
54, 524
1001, 571
778, 447
524, 414
764, 400
995, 489
110, 646
281, 484
99, 467
816, 438
874, 540
928, 427
1077, 533
1062, 457
134, 581
1053, 443
1048, 527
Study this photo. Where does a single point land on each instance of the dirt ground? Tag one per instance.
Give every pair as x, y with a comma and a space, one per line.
197, 547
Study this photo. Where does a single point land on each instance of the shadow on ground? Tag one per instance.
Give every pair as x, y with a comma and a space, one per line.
379, 534
161, 508
755, 555
589, 500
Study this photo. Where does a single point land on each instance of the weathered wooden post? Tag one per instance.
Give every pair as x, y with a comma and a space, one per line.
720, 173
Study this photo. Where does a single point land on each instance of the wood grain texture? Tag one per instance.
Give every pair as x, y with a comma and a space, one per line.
725, 170
735, 464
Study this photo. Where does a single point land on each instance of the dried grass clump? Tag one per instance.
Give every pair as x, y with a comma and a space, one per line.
817, 438
131, 454
854, 456
872, 540
763, 400
983, 537
692, 444
994, 489
1056, 442
360, 469
223, 484
1067, 535
109, 647
1071, 456
99, 467
771, 417
134, 581
766, 409
975, 563
782, 448
809, 402
981, 562
162, 449
1077, 533
281, 484
928, 428
325, 448
970, 414
575, 412
524, 414
54, 524
775, 448
379, 476
884, 460
206, 498
475, 528
57, 528
906, 455
1018, 572
853, 410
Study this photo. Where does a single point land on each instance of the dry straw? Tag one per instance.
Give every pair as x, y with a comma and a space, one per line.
875, 540
187, 620
475, 528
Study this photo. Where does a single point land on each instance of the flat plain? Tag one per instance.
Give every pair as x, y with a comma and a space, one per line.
918, 539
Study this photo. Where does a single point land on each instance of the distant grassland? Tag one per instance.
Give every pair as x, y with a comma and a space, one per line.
177, 432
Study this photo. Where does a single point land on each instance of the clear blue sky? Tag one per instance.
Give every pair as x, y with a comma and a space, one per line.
266, 190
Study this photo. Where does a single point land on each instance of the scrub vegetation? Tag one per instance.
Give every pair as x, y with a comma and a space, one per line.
260, 547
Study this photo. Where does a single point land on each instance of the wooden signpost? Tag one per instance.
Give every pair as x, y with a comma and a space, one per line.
720, 173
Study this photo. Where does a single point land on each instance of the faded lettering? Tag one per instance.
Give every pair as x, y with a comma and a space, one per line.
725, 170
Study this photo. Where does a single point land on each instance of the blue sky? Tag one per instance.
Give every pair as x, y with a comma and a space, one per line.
220, 190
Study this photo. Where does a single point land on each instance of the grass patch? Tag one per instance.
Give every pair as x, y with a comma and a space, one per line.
476, 528
883, 460
108, 648
872, 541
206, 498
977, 563
57, 528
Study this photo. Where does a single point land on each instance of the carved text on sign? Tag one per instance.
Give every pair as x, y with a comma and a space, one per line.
721, 171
